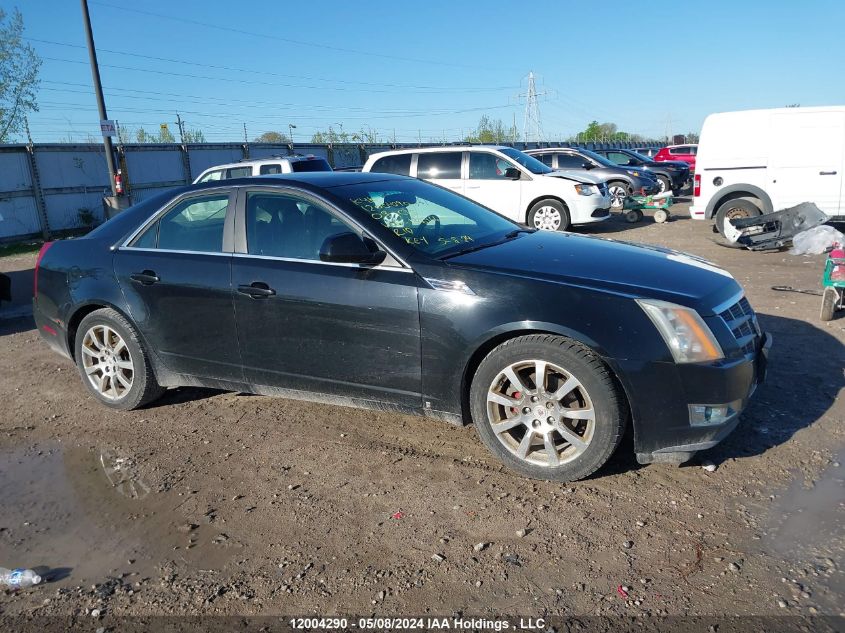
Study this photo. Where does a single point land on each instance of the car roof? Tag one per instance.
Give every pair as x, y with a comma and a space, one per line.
543, 150
681, 145
262, 161
308, 179
441, 148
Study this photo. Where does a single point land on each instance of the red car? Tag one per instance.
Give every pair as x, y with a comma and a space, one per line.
685, 153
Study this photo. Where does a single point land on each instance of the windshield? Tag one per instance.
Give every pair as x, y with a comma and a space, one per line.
529, 162
601, 160
311, 164
432, 220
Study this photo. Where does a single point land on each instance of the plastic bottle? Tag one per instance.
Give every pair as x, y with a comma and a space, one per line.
18, 578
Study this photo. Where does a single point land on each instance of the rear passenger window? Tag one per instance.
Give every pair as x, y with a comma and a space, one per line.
239, 172
570, 161
399, 164
439, 165
270, 169
546, 159
195, 224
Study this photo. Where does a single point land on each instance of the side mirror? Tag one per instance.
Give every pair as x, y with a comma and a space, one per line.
587, 166
513, 173
349, 248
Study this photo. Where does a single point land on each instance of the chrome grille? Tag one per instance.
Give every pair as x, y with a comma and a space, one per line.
742, 322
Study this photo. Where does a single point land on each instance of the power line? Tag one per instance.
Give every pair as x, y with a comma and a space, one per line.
436, 89
338, 49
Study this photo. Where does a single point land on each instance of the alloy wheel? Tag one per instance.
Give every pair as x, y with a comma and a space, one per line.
547, 218
662, 185
617, 196
107, 362
541, 413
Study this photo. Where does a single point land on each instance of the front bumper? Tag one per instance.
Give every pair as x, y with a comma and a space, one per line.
661, 393
590, 209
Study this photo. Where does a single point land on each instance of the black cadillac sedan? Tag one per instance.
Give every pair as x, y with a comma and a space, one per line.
387, 292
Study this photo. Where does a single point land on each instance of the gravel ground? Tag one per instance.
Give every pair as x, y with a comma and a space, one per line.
223, 503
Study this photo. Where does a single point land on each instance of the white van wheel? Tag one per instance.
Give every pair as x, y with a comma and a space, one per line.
735, 209
549, 215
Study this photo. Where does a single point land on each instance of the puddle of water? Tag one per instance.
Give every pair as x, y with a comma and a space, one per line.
807, 528
84, 514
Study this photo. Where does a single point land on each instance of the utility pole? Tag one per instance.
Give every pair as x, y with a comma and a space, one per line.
532, 128
98, 92
181, 124
245, 137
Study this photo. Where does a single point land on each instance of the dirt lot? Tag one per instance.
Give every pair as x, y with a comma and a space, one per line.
214, 502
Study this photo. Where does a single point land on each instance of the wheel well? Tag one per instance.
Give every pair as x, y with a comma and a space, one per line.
488, 346
733, 195
536, 200
627, 185
75, 320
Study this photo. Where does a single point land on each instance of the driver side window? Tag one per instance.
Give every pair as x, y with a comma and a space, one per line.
619, 158
484, 166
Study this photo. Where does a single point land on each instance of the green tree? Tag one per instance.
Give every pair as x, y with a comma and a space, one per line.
19, 66
330, 136
276, 138
141, 136
194, 136
165, 136
492, 131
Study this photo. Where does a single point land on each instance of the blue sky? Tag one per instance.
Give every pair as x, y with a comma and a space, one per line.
429, 69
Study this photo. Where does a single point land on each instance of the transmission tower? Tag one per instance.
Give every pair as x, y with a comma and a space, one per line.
532, 130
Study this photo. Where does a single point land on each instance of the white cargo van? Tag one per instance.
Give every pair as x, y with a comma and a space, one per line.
758, 161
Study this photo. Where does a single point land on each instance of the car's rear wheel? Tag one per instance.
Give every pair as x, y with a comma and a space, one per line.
547, 407
549, 215
735, 209
112, 361
618, 192
664, 183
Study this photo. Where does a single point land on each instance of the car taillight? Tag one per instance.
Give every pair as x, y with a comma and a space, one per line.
696, 188
41, 253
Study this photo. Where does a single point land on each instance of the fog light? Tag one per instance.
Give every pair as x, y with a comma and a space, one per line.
713, 414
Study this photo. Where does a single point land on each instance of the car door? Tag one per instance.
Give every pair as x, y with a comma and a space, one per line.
176, 277
806, 158
488, 185
346, 330
442, 168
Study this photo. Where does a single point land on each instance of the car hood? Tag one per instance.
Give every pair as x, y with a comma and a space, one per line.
635, 270
578, 175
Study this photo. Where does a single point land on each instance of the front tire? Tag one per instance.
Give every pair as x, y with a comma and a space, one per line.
664, 183
562, 426
112, 362
735, 209
549, 215
830, 298
618, 192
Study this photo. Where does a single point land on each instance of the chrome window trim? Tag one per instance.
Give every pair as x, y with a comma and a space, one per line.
155, 216
296, 260
135, 249
331, 207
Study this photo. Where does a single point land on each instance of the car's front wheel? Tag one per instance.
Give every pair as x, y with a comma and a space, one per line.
736, 209
618, 192
549, 215
112, 361
547, 407
664, 184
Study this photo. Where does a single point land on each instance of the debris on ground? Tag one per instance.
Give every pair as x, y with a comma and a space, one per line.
816, 240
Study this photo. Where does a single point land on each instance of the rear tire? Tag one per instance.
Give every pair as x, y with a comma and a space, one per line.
561, 428
549, 215
112, 362
665, 183
733, 210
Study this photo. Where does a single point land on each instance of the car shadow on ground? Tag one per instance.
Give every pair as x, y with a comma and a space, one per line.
618, 224
15, 325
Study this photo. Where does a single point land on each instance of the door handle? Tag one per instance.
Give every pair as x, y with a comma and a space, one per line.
827, 173
473, 186
257, 290
147, 277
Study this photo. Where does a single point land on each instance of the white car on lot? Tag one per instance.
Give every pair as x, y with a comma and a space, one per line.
759, 161
294, 163
516, 185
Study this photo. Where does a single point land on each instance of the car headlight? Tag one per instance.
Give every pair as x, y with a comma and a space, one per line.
586, 190
685, 332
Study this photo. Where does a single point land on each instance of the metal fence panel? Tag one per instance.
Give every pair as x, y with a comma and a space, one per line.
18, 216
